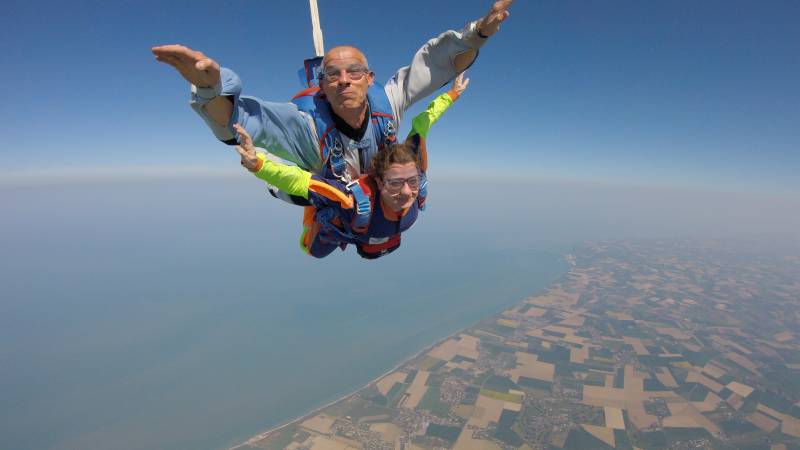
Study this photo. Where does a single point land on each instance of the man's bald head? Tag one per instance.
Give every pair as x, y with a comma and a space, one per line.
344, 52
346, 87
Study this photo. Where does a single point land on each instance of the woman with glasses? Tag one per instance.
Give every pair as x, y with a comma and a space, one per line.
370, 212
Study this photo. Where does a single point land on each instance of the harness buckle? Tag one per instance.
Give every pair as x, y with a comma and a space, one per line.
336, 160
389, 133
336, 147
361, 199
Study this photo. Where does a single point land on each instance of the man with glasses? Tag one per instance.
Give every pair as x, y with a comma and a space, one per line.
394, 190
333, 131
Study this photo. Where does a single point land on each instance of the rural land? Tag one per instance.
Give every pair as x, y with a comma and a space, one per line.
641, 345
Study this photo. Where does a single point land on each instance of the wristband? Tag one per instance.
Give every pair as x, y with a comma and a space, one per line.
262, 158
208, 92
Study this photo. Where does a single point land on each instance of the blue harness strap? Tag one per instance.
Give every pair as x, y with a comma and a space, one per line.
309, 74
348, 231
384, 129
363, 207
423, 190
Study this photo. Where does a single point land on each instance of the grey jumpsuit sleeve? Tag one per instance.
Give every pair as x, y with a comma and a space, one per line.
280, 128
431, 68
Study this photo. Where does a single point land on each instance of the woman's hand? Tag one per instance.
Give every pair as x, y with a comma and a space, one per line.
246, 150
460, 84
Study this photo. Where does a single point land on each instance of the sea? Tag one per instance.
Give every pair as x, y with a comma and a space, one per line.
181, 314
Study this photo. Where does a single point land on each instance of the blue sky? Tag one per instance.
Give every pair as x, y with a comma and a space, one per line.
671, 93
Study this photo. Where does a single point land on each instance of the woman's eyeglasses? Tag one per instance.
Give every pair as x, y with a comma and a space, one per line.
395, 184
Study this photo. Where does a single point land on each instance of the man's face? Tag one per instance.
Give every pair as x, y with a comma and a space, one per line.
399, 186
345, 94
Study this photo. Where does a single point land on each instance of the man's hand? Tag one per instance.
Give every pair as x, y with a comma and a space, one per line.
490, 23
194, 66
246, 150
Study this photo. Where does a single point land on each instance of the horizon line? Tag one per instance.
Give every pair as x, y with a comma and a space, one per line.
127, 174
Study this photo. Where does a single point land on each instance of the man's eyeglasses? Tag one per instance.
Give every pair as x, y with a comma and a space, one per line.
394, 185
334, 74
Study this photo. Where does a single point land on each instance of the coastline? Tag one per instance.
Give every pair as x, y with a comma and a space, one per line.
316, 410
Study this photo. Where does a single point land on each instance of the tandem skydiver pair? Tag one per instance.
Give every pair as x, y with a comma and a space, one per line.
335, 127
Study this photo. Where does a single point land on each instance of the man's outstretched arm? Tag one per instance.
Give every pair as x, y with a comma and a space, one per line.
203, 73
442, 58
277, 127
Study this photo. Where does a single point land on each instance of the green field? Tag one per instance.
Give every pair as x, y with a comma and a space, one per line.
532, 383
514, 398
357, 408
448, 433
579, 439
431, 402
430, 364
